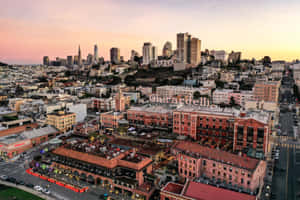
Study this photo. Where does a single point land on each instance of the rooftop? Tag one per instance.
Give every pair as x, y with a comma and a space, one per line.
197, 150
209, 110
152, 109
26, 134
202, 191
96, 148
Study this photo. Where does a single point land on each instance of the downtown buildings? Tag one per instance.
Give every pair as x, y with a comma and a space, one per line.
188, 49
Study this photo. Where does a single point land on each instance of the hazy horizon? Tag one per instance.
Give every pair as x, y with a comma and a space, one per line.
32, 29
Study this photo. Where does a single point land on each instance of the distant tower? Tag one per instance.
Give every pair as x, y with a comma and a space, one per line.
147, 53
70, 60
96, 58
154, 53
167, 50
79, 56
182, 47
115, 55
46, 60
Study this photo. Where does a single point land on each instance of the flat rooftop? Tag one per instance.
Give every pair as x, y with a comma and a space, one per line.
152, 109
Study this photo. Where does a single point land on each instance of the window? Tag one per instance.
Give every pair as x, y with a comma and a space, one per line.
242, 181
213, 171
224, 174
230, 169
225, 168
204, 162
248, 182
236, 171
214, 164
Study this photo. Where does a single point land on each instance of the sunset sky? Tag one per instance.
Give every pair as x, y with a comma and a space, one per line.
31, 29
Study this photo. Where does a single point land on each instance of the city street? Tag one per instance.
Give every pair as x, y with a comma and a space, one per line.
286, 173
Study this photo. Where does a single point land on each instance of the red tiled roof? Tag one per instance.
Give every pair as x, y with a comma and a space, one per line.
202, 191
173, 187
218, 155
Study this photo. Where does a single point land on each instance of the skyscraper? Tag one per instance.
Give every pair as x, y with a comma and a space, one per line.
188, 49
69, 60
167, 49
147, 53
115, 55
154, 53
182, 47
79, 56
46, 60
96, 58
89, 59
195, 51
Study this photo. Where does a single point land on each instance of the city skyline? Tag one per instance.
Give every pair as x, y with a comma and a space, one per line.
32, 29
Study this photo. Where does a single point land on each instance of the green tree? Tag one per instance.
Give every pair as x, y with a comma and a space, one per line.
196, 95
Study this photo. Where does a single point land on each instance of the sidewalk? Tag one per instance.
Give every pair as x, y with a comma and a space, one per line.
26, 189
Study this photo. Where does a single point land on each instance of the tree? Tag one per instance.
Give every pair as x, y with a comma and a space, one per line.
197, 95
232, 101
266, 60
219, 84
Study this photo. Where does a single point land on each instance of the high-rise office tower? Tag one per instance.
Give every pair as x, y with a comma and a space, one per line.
147, 53
195, 51
115, 55
167, 49
69, 60
96, 58
182, 47
89, 59
76, 60
46, 60
154, 53
188, 49
79, 56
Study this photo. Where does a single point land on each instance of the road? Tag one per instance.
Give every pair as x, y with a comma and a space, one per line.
287, 168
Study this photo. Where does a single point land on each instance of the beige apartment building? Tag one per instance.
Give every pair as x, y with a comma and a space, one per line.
62, 120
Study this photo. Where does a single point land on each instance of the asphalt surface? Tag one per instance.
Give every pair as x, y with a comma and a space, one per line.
286, 184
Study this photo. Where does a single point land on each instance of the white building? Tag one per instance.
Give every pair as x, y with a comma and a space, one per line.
80, 110
171, 91
219, 55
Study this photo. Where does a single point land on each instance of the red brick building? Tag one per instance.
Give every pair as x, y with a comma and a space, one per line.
199, 123
199, 191
110, 119
223, 126
219, 166
107, 165
150, 116
251, 131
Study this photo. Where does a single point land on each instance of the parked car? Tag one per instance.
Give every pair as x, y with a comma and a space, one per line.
12, 180
29, 185
38, 188
3, 177
46, 191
